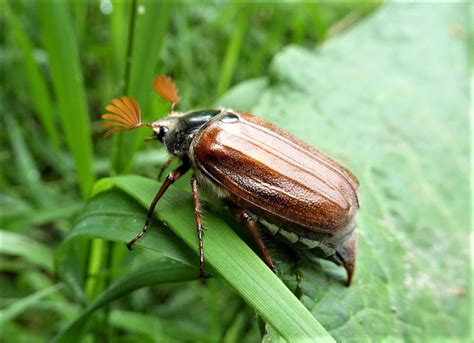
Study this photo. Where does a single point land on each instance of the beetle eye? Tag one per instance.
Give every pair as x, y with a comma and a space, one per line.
162, 133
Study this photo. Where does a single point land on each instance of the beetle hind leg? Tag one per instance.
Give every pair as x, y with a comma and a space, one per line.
250, 224
346, 254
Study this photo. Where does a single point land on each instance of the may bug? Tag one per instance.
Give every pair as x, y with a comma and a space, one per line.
299, 194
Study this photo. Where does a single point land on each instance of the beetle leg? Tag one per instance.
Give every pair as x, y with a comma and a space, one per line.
347, 255
250, 224
197, 211
164, 167
172, 177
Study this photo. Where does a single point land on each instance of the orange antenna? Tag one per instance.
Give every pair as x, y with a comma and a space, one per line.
166, 89
124, 115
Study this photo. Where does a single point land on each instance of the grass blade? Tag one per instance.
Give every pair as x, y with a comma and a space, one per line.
21, 305
61, 45
153, 274
29, 249
230, 257
149, 29
233, 50
27, 172
39, 91
119, 28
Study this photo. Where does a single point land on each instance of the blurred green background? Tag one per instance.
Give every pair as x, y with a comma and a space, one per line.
62, 63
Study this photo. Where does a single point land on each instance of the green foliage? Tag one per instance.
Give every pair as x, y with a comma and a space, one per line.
66, 74
156, 273
386, 94
37, 84
229, 256
147, 31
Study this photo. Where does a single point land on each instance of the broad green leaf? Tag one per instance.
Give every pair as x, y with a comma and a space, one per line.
61, 44
245, 95
225, 252
148, 275
390, 100
115, 216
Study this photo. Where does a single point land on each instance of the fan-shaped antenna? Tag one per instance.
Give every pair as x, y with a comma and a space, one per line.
166, 89
125, 114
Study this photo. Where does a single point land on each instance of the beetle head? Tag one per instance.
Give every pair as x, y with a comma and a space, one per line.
177, 130
125, 113
164, 128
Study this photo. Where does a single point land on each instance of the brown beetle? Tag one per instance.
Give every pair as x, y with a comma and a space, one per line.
299, 194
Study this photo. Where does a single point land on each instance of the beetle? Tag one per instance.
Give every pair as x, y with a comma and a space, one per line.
271, 178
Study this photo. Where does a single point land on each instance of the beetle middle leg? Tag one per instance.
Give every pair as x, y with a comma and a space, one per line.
197, 211
172, 177
250, 224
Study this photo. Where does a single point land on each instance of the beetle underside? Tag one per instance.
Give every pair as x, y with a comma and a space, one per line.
340, 249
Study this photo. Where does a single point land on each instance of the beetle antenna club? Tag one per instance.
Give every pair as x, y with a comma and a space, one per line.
125, 114
300, 195
166, 89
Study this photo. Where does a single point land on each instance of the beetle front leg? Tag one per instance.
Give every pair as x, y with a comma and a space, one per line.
250, 224
197, 211
164, 167
172, 177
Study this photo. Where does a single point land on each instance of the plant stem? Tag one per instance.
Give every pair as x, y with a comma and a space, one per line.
128, 61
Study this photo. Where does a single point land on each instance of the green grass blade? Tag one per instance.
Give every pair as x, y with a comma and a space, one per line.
148, 275
39, 91
119, 28
61, 45
230, 257
148, 326
96, 260
24, 218
233, 50
21, 305
149, 29
27, 172
29, 249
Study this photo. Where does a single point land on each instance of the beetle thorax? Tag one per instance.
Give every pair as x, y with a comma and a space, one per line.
177, 130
